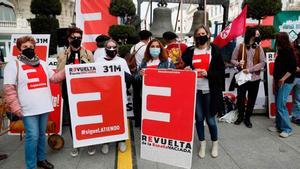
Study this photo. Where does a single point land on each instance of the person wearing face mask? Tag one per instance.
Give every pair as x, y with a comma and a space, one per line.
253, 62
100, 51
29, 77
155, 57
296, 99
74, 54
111, 49
206, 59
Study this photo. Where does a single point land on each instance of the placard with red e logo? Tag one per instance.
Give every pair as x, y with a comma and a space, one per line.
97, 99
93, 17
271, 97
168, 108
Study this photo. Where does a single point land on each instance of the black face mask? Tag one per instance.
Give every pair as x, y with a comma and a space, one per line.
29, 53
257, 39
76, 43
201, 40
111, 53
254, 45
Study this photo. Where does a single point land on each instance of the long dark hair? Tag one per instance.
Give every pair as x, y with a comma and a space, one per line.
283, 41
248, 35
163, 54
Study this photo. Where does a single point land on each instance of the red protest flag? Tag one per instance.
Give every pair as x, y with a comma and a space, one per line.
233, 30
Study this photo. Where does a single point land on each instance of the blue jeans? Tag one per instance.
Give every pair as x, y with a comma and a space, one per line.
296, 100
35, 139
203, 112
282, 117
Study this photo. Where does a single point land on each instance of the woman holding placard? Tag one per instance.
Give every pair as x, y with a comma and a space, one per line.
28, 77
206, 59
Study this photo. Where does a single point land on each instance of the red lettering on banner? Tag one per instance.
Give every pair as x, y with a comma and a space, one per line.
37, 75
271, 68
179, 105
110, 106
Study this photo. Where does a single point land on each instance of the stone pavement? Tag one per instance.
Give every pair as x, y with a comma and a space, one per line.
240, 148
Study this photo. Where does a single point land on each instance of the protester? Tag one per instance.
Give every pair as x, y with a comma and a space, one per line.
75, 54
111, 49
155, 57
174, 49
100, 51
284, 75
206, 59
28, 77
140, 47
252, 62
296, 100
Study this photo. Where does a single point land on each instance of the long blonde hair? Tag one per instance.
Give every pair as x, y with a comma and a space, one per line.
207, 32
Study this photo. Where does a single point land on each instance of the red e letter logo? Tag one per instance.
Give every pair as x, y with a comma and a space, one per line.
37, 77
168, 104
99, 105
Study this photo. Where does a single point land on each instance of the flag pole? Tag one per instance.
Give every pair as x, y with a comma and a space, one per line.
205, 12
181, 19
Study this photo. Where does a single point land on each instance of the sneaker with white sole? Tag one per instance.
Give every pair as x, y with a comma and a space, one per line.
91, 150
122, 146
74, 152
105, 148
285, 134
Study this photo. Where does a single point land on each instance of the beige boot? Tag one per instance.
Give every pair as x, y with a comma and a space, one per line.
202, 149
214, 150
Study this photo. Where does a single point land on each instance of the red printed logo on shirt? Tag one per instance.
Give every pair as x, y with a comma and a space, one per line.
201, 62
37, 77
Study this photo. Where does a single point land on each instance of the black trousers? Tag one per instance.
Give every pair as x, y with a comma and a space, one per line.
252, 88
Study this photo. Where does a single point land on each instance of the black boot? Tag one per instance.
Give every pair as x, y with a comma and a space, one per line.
248, 123
239, 120
3, 156
45, 164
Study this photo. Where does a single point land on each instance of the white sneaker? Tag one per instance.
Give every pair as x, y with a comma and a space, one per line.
91, 150
122, 146
202, 149
214, 150
105, 148
74, 152
285, 134
273, 129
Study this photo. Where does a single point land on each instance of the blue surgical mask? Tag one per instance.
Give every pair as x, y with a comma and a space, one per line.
154, 52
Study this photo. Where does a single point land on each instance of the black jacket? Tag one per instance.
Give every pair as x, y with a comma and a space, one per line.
285, 62
215, 76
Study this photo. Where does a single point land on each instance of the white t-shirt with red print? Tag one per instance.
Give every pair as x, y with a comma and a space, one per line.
201, 60
153, 63
33, 86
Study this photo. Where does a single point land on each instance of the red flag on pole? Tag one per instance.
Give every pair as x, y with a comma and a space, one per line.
233, 30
